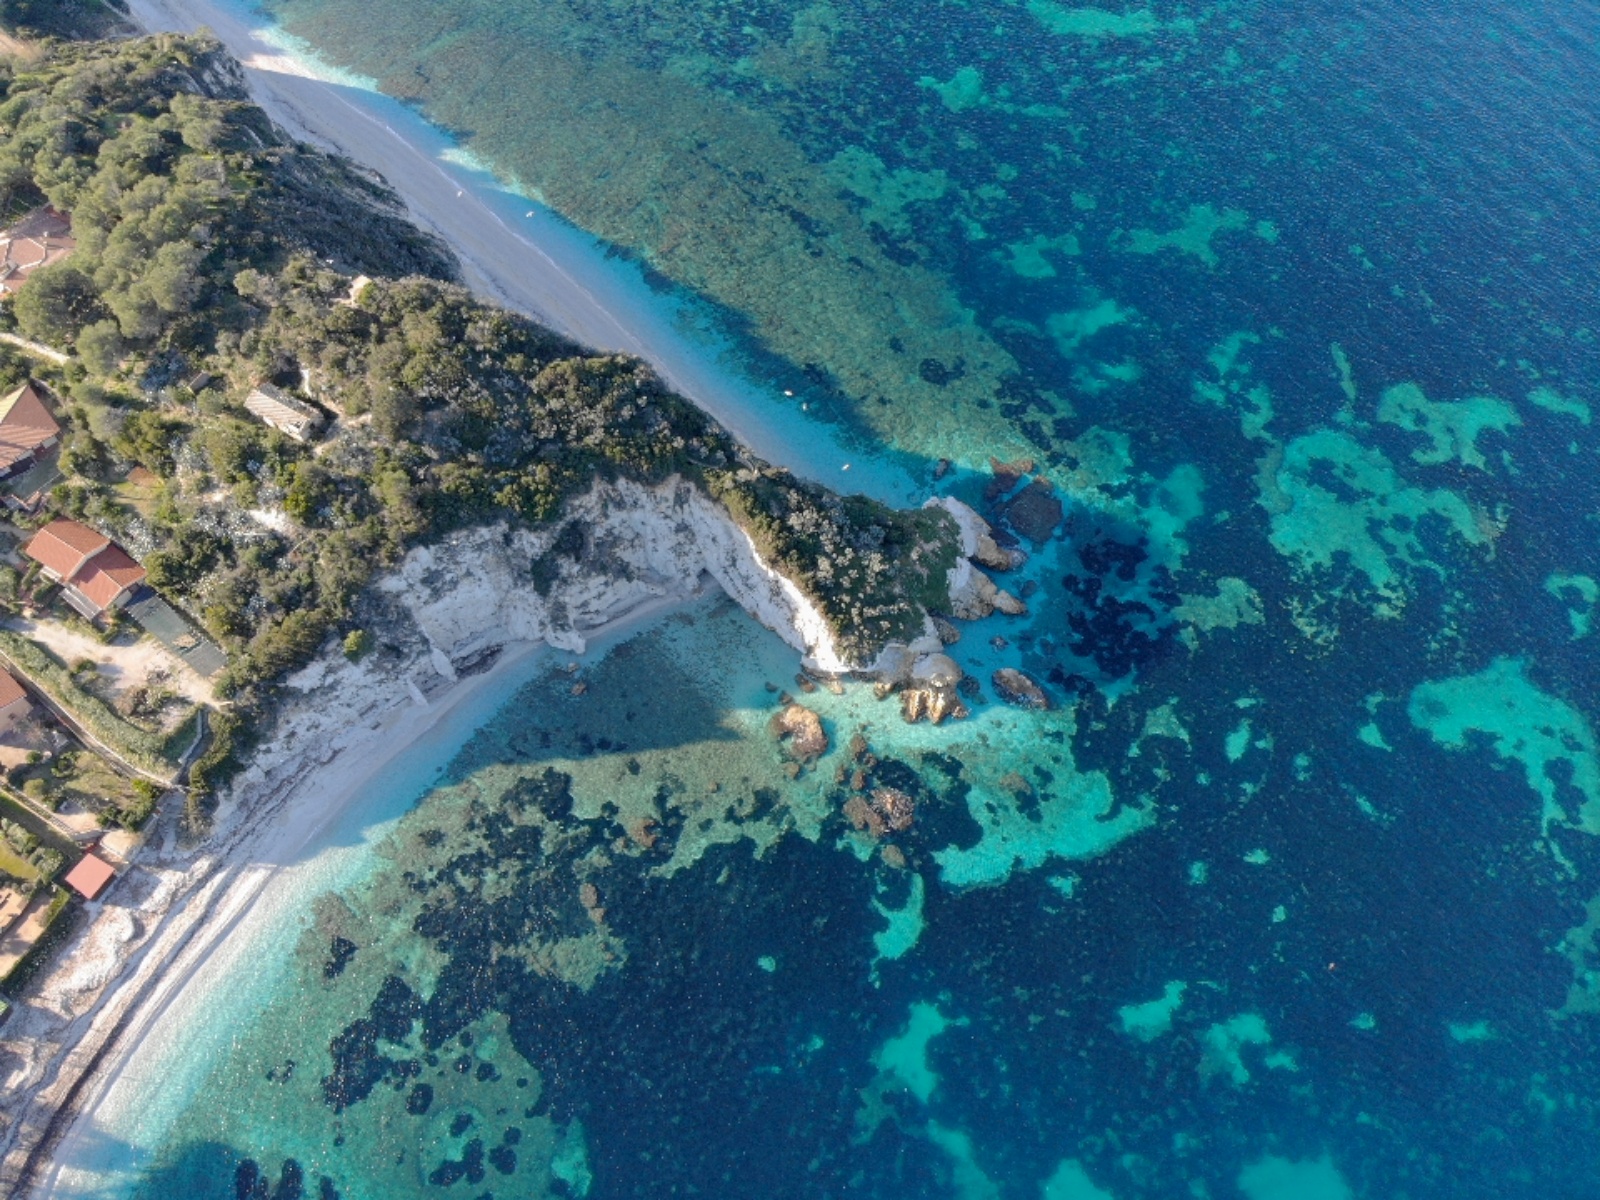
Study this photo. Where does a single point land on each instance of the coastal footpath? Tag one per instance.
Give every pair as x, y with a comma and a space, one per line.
453, 486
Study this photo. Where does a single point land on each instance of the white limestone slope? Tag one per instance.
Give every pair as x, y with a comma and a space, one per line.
475, 591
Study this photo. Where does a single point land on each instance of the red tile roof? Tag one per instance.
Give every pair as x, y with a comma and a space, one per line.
90, 876
104, 577
85, 560
42, 237
10, 691
25, 425
63, 546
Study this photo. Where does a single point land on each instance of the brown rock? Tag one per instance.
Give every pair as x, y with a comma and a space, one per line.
1005, 602
932, 704
1016, 688
995, 556
897, 808
948, 633
887, 810
801, 731
864, 817
1006, 476
643, 832
893, 856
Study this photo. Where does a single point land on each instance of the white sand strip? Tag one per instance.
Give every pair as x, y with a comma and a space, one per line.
89, 1059
514, 251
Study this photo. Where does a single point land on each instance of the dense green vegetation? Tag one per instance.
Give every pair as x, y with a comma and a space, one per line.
205, 243
62, 18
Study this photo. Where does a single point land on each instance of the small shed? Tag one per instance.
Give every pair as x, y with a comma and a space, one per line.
277, 408
90, 877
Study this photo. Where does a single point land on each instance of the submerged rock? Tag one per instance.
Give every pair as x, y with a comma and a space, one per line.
801, 731
886, 810
1006, 476
1016, 688
1034, 512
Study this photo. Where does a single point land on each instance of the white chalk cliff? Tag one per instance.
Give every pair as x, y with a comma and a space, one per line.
475, 591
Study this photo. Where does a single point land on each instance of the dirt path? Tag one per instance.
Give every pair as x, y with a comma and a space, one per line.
123, 666
22, 936
22, 343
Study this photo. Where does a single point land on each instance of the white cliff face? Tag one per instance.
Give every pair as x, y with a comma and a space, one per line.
977, 539
475, 591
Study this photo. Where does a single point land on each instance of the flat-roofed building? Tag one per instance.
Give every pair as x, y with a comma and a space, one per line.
90, 877
283, 412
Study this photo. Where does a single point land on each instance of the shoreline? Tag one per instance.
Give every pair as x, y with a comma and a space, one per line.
517, 253
104, 999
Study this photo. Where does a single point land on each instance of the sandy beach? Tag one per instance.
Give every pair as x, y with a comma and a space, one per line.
518, 254
175, 923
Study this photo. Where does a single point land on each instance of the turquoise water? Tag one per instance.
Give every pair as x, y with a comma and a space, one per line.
1293, 893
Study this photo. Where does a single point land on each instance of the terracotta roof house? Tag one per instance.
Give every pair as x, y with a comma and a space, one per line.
26, 429
90, 876
14, 702
42, 237
95, 573
283, 412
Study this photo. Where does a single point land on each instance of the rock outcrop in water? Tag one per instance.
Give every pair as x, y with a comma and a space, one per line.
1016, 688
800, 731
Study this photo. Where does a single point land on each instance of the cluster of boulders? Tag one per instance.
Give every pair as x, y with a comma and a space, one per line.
875, 809
800, 730
931, 685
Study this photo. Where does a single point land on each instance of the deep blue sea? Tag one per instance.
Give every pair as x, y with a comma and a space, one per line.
1294, 895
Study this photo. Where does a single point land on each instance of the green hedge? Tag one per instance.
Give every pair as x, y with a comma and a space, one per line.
222, 757
150, 752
